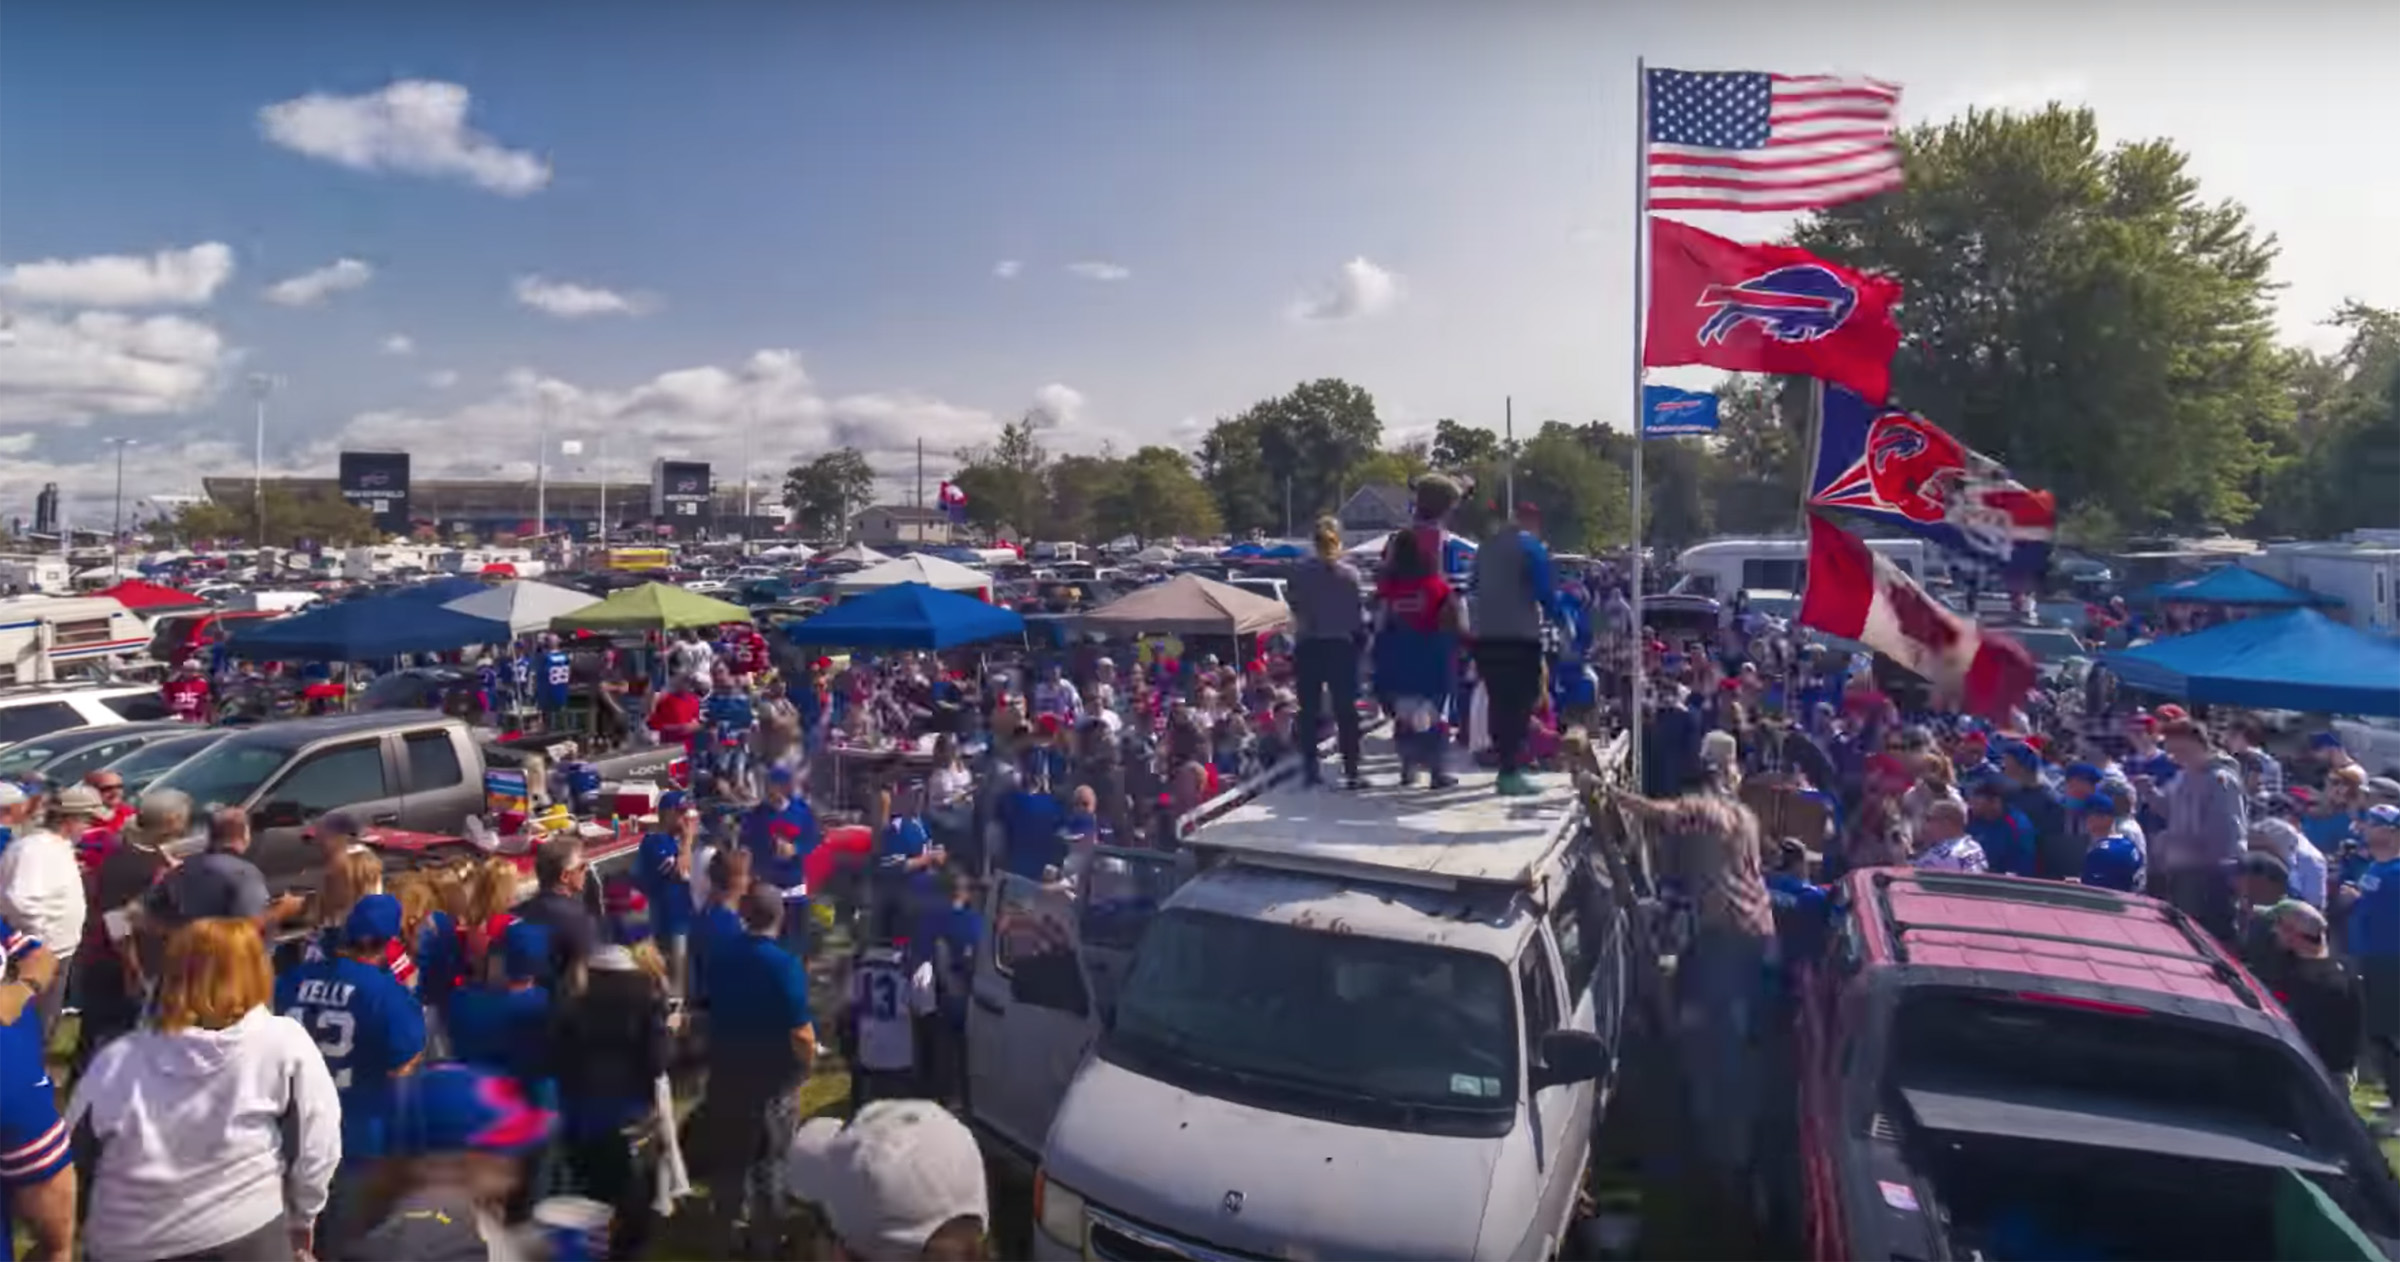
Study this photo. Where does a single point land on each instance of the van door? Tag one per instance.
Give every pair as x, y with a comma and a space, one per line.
1119, 895
352, 776
1032, 1017
1560, 1114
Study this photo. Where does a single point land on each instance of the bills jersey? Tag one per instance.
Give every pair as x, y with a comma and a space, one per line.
186, 698
369, 1028
886, 998
557, 674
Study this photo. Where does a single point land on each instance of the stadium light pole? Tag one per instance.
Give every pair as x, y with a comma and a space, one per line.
261, 385
541, 474
116, 521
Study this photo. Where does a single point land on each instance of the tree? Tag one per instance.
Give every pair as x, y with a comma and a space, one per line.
1007, 482
2336, 469
1394, 466
1457, 446
1282, 461
824, 493
2077, 312
1156, 496
1584, 497
294, 520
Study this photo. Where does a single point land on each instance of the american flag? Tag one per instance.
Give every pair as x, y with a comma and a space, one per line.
1748, 140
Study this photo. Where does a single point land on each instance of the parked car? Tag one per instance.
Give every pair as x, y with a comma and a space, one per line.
146, 762
1996, 1067
65, 757
31, 710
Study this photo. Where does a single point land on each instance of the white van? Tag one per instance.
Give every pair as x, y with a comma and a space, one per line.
43, 637
1722, 568
1359, 1025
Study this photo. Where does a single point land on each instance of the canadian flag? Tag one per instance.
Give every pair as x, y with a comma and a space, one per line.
1856, 594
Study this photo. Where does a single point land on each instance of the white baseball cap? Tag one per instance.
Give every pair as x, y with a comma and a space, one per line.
890, 1177
10, 794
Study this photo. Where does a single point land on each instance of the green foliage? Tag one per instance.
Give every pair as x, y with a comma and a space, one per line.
1567, 473
1014, 483
2078, 312
1007, 483
2338, 468
1155, 495
2090, 525
1457, 446
293, 519
1287, 457
824, 493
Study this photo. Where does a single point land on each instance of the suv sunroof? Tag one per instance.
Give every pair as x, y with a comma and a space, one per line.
2046, 893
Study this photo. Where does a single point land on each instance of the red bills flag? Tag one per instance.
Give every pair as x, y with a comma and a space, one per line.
1858, 595
1767, 308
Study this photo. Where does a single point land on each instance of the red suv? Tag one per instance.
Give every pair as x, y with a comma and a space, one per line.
2011, 1068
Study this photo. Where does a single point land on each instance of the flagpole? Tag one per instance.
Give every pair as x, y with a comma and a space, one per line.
1816, 445
1640, 233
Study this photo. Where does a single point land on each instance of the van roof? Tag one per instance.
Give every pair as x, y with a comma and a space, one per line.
2048, 931
1467, 835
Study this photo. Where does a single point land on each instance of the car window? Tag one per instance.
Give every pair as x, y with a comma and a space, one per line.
71, 768
334, 778
1540, 988
1577, 949
433, 762
139, 707
24, 722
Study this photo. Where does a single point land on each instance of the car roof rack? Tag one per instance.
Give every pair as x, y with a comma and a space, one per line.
1449, 839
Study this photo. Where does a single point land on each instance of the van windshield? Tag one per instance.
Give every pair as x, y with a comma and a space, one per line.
1397, 1033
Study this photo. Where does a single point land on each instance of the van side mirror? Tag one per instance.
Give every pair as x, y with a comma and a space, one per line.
1566, 1057
279, 815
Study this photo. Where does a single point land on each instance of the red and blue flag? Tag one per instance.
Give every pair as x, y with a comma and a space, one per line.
1895, 467
1766, 308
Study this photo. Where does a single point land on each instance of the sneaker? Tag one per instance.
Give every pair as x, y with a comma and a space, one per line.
1514, 784
1444, 781
1355, 782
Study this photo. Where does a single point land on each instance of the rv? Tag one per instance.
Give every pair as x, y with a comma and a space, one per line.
1723, 568
43, 638
50, 573
2361, 571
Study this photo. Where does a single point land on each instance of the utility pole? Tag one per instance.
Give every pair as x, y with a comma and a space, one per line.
920, 495
541, 474
261, 385
116, 525
604, 495
1508, 422
1287, 506
749, 424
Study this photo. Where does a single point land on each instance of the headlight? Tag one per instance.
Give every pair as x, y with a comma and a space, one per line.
1058, 1211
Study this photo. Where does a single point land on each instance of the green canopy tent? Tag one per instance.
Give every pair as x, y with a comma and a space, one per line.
650, 607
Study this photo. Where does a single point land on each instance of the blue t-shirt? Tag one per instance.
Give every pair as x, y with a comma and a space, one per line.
903, 840
669, 892
2115, 863
1803, 916
754, 1037
759, 836
1031, 822
715, 926
368, 1026
557, 674
2375, 917
2328, 832
506, 1031
34, 1141
2007, 843
948, 937
729, 715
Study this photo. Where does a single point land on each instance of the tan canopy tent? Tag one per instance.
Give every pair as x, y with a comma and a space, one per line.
1188, 604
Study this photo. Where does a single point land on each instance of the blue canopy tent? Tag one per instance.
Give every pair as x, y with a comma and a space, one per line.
365, 631
2236, 585
438, 591
907, 616
2300, 660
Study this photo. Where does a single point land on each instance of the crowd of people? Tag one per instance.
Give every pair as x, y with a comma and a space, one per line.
488, 1060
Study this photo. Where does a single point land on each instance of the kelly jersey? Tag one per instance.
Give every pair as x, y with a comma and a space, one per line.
520, 675
557, 673
369, 1028
886, 998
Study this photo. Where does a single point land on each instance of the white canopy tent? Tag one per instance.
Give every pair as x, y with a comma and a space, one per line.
524, 605
932, 571
787, 552
1373, 548
856, 554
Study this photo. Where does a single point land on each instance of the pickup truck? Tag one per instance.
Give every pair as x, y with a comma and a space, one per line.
410, 770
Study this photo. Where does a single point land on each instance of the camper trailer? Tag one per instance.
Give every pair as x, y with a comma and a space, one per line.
2361, 571
36, 574
43, 638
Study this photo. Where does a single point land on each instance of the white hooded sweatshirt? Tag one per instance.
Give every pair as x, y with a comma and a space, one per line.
190, 1130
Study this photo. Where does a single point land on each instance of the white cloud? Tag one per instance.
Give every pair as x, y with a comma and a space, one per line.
399, 344
1058, 404
1007, 269
68, 370
168, 278
17, 444
411, 126
441, 379
1095, 270
701, 412
1362, 291
310, 288
573, 302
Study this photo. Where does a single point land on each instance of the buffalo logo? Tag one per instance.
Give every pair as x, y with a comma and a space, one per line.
376, 477
687, 486
1232, 1204
1802, 303
1914, 467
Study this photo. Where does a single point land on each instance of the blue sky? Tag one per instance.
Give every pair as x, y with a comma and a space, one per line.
804, 209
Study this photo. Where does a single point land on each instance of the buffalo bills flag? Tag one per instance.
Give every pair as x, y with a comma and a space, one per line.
1767, 308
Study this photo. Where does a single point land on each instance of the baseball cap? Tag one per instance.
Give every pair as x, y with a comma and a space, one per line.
2264, 864
2325, 740
2383, 816
376, 918
2173, 714
889, 1178
459, 1108
2384, 787
2310, 920
78, 799
2022, 754
11, 795
2082, 771
674, 800
525, 951
2104, 801
337, 824
779, 775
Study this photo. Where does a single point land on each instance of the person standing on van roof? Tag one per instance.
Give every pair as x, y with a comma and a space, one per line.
1328, 610
1514, 589
1416, 644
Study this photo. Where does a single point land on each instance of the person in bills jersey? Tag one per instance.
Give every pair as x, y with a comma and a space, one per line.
662, 871
372, 1032
186, 695
37, 1170
557, 676
888, 999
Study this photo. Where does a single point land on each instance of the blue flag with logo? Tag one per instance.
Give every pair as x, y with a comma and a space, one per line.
1667, 411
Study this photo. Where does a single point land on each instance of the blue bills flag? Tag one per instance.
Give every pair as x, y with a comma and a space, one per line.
1667, 411
1903, 471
